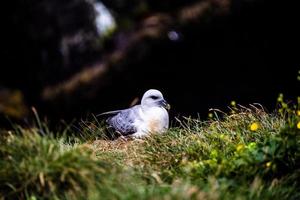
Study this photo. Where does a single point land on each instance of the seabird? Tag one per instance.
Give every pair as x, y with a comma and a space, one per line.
151, 116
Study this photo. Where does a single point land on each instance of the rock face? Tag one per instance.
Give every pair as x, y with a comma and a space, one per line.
201, 54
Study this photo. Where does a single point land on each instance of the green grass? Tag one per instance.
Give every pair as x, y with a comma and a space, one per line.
221, 158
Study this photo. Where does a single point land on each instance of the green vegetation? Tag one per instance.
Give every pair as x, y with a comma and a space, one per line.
247, 154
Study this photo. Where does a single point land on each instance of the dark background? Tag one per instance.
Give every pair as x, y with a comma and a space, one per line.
241, 50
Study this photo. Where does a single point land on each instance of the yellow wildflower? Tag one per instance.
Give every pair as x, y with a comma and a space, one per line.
298, 125
298, 112
268, 164
233, 103
239, 147
254, 126
280, 98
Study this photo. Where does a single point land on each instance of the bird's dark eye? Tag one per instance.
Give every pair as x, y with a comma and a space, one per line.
154, 97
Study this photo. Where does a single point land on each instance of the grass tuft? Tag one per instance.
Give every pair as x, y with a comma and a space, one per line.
46, 167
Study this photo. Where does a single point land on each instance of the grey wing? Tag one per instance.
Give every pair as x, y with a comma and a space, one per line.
123, 122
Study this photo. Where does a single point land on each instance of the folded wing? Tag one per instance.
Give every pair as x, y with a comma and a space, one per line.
123, 120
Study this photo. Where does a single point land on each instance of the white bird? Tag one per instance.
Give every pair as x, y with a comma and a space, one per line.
151, 116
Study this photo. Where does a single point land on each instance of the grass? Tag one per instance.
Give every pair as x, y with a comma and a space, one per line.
247, 154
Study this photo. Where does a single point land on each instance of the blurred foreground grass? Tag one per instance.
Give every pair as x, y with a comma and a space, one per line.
247, 154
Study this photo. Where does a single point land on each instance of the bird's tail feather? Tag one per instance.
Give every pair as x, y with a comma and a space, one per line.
109, 113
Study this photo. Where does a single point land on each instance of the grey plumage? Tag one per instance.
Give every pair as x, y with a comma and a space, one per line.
123, 121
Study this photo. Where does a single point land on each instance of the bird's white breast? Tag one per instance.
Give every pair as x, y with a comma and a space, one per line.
154, 119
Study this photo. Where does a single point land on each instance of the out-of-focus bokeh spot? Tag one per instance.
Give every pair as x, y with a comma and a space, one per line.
12, 103
105, 22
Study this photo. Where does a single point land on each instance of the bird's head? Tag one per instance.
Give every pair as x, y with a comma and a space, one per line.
154, 98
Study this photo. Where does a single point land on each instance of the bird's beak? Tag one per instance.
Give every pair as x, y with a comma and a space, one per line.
165, 104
